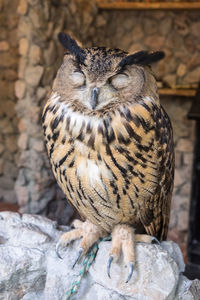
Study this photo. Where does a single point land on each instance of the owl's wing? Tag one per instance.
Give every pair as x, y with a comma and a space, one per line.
155, 192
155, 217
156, 220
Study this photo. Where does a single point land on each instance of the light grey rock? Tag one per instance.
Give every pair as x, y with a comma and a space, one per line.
195, 289
187, 289
33, 296
175, 253
154, 268
30, 269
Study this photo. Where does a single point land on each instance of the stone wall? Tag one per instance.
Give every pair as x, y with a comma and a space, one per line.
40, 56
176, 33
39, 60
8, 119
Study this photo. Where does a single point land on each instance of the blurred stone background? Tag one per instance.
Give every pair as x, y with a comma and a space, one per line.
29, 58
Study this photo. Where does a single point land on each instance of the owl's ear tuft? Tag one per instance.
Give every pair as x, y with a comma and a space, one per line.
72, 46
142, 58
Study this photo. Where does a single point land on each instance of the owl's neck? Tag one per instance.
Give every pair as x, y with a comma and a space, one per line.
94, 130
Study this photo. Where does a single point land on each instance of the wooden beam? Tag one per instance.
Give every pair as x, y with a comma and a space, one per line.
148, 5
177, 92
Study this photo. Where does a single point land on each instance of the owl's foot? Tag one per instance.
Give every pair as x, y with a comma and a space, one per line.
124, 239
89, 233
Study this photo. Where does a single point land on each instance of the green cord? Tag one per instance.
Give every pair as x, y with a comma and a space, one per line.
88, 260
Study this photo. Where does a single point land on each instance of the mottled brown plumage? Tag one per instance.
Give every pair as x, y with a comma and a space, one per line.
110, 142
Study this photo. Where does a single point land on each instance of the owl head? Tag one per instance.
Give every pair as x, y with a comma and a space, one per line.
99, 77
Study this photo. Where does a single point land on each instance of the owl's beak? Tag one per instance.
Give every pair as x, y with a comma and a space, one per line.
94, 97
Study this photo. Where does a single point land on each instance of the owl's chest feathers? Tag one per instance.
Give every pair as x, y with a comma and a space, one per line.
94, 144
105, 161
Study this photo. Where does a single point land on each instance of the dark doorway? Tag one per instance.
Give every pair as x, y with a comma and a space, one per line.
193, 266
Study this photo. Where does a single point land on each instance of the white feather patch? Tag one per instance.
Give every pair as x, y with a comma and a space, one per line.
149, 99
55, 98
75, 117
93, 172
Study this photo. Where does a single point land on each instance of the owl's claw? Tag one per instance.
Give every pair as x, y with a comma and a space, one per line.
57, 250
89, 233
109, 264
155, 240
81, 250
130, 272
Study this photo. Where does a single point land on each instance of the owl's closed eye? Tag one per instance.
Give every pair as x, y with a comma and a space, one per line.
119, 81
78, 79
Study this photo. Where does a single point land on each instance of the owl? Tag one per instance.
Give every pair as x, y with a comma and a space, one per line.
110, 145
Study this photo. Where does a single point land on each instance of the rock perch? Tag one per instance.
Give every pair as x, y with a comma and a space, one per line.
30, 269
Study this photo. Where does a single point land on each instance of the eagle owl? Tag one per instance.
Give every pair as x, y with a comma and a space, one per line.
110, 145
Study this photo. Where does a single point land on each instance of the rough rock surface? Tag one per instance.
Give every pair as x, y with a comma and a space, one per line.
30, 269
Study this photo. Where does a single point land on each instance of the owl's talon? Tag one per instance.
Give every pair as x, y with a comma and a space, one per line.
109, 264
155, 241
78, 256
72, 227
130, 272
57, 249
